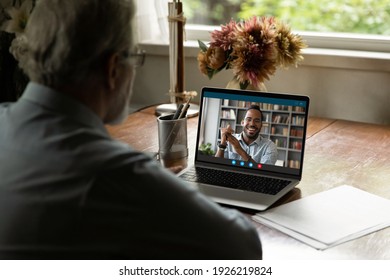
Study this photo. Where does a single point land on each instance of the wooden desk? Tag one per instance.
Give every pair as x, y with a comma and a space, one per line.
337, 152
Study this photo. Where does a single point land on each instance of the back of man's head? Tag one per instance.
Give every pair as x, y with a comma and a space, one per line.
69, 40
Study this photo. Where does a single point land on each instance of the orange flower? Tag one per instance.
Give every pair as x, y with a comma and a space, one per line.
202, 62
215, 57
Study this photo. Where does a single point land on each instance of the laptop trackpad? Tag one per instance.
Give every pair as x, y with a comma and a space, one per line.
239, 198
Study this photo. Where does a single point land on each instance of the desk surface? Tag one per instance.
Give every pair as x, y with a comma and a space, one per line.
337, 152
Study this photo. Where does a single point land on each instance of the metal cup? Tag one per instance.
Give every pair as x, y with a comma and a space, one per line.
172, 141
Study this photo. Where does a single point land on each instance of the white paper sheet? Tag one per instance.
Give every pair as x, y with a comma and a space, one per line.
329, 218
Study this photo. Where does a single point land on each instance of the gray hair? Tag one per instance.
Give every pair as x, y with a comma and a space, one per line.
69, 40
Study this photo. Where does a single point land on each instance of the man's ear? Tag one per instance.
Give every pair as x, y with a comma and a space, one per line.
112, 70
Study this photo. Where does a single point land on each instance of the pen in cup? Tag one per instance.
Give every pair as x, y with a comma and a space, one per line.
184, 112
178, 112
185, 109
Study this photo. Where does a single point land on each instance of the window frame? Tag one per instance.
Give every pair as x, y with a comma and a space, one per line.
321, 40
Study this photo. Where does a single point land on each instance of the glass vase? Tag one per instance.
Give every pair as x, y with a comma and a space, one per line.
234, 84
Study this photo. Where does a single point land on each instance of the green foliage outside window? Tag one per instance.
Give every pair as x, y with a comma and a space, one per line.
352, 16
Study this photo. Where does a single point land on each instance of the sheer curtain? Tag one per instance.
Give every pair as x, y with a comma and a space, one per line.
151, 20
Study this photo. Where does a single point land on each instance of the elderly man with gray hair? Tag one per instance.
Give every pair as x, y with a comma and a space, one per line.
70, 191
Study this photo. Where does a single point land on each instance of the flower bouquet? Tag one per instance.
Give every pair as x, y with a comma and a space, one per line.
253, 49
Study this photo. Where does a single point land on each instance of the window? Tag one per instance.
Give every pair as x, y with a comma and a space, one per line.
352, 16
337, 24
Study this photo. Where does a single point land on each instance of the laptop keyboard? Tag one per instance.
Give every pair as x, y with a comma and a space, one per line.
235, 180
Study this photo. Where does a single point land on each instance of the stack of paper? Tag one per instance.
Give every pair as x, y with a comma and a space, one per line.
329, 218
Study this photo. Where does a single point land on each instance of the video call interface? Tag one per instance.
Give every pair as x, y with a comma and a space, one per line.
283, 122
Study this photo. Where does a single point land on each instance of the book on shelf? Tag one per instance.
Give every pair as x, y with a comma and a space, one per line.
294, 163
266, 117
266, 106
265, 128
296, 132
241, 104
232, 114
244, 104
298, 109
298, 120
280, 119
225, 123
228, 114
296, 145
280, 143
278, 107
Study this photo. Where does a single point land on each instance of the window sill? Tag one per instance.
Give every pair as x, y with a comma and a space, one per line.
314, 57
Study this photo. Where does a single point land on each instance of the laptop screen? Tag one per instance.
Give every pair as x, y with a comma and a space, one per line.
277, 130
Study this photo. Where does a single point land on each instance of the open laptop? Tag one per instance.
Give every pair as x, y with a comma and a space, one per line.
243, 183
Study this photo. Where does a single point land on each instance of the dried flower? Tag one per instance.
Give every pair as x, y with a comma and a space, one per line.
289, 46
215, 58
253, 49
202, 62
225, 37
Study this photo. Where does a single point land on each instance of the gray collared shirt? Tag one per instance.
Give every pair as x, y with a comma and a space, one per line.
262, 150
68, 190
